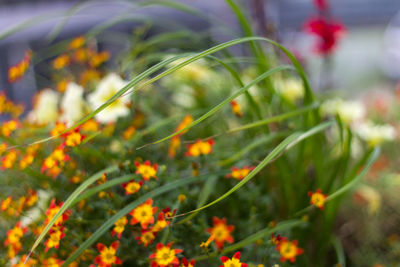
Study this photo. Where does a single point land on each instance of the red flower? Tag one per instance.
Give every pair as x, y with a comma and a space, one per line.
107, 255
164, 256
288, 249
186, 263
234, 262
222, 232
328, 32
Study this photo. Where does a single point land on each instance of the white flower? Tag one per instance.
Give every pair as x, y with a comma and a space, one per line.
45, 108
291, 89
73, 104
375, 134
107, 87
348, 111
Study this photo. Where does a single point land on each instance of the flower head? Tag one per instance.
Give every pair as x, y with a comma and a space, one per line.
239, 173
234, 262
132, 187
221, 231
236, 109
55, 235
288, 249
107, 255
119, 227
375, 134
327, 31
186, 263
108, 87
164, 256
143, 214
72, 104
317, 198
147, 237
45, 107
200, 148
53, 209
146, 170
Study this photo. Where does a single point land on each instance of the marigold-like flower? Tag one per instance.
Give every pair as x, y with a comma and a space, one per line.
164, 256
76, 43
119, 227
61, 61
288, 249
146, 170
8, 160
99, 58
58, 128
74, 138
53, 209
147, 237
328, 32
5, 203
240, 173
8, 127
161, 223
15, 234
221, 231
275, 239
200, 148
132, 187
236, 109
317, 198
26, 161
107, 255
23, 262
128, 133
55, 235
186, 263
17, 71
53, 261
143, 214
234, 262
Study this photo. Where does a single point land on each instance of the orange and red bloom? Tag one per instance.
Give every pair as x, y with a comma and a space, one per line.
55, 235
164, 256
146, 170
119, 227
240, 173
200, 148
317, 198
234, 262
17, 71
143, 214
147, 237
132, 187
236, 109
221, 231
288, 249
107, 255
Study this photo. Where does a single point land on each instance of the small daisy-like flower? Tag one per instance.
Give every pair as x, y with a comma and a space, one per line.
5, 203
146, 170
168, 212
55, 235
17, 71
161, 223
58, 128
240, 173
132, 187
164, 256
275, 239
236, 109
8, 127
234, 262
61, 61
186, 263
317, 198
76, 43
53, 261
119, 227
53, 209
73, 138
15, 234
200, 148
107, 255
221, 231
143, 214
8, 160
147, 237
288, 249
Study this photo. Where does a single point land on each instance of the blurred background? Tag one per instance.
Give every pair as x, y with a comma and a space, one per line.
369, 50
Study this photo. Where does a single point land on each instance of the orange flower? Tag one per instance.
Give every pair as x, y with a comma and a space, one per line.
61, 61
222, 232
62, 85
17, 71
7, 162
240, 173
186, 263
176, 141
164, 256
161, 223
119, 227
90, 126
132, 187
76, 43
200, 148
26, 161
288, 249
58, 128
23, 262
73, 138
8, 127
147, 237
55, 235
236, 109
234, 262
143, 214
99, 58
107, 255
15, 234
317, 198
52, 262
146, 170
53, 209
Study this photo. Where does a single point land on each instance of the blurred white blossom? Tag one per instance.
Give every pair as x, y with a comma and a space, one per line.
375, 134
45, 108
72, 104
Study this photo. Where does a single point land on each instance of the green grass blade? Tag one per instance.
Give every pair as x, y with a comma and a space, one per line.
287, 143
337, 245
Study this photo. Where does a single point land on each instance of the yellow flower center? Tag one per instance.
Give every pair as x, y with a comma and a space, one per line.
132, 187
220, 232
108, 255
143, 213
318, 199
146, 171
232, 263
